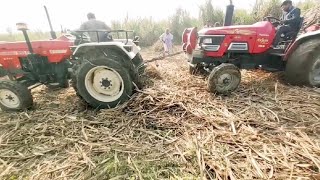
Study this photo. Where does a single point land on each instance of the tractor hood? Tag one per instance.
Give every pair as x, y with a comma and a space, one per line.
55, 50
260, 28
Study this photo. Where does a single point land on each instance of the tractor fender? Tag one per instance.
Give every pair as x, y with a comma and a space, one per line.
301, 39
192, 40
115, 46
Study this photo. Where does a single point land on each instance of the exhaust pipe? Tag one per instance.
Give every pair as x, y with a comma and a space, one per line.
229, 15
23, 27
52, 33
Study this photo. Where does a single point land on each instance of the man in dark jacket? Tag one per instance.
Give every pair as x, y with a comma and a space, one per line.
93, 24
290, 21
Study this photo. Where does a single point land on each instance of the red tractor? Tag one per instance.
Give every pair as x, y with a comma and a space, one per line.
222, 51
104, 74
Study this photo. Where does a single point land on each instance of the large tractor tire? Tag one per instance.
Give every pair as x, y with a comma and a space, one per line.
14, 96
73, 84
103, 83
303, 66
224, 79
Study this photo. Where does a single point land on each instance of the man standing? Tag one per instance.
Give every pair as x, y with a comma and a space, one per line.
166, 38
91, 25
290, 20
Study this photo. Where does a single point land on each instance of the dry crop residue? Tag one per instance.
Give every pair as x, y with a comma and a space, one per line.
173, 129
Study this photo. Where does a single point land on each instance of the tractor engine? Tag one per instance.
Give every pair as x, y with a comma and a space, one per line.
44, 62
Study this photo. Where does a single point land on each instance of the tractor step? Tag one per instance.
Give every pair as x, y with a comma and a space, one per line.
269, 69
34, 86
278, 54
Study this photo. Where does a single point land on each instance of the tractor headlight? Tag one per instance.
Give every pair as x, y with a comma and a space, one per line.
207, 41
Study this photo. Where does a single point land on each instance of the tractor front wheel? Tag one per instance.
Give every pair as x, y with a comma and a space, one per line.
14, 96
103, 83
196, 69
224, 79
303, 66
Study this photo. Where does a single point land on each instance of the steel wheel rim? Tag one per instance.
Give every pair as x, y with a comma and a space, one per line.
9, 99
315, 72
226, 81
104, 84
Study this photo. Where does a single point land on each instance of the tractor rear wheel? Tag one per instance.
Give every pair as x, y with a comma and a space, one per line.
103, 83
224, 79
73, 84
303, 66
14, 96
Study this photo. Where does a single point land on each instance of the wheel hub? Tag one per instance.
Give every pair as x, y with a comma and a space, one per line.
9, 99
106, 83
225, 79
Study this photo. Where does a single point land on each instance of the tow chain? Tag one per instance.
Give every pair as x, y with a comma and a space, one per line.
158, 58
161, 57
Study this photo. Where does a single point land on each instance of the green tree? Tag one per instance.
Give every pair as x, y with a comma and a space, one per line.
179, 21
307, 4
263, 8
243, 17
209, 13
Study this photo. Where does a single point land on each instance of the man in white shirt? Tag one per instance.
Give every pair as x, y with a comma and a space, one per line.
166, 38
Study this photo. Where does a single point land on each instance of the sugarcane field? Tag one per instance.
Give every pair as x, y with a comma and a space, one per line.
205, 90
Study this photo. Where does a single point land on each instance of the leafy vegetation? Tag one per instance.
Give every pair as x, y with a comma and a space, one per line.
210, 13
149, 30
33, 35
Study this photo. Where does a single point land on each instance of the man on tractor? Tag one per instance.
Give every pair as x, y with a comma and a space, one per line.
290, 21
93, 24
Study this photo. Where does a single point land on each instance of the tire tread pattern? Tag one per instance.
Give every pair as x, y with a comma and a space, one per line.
300, 63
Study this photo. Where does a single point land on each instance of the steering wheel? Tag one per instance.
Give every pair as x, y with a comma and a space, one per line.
273, 20
81, 37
